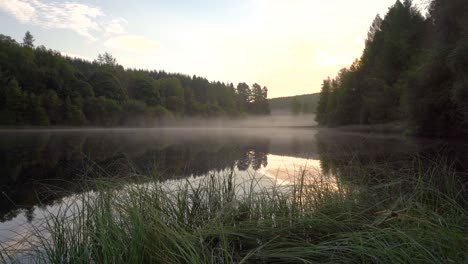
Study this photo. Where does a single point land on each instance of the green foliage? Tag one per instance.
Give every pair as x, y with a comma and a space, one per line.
412, 69
134, 107
13, 106
145, 89
157, 113
51, 103
28, 40
102, 111
243, 100
170, 87
106, 84
322, 112
79, 88
283, 104
73, 114
440, 83
106, 60
172, 90
41, 87
259, 102
36, 112
211, 110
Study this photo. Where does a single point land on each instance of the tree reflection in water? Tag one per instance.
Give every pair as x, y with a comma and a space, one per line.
41, 167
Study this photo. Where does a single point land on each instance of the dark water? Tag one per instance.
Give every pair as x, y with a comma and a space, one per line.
38, 168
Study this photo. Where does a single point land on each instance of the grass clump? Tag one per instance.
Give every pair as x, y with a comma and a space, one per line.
419, 217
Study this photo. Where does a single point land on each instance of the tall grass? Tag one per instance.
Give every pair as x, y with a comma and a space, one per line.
414, 215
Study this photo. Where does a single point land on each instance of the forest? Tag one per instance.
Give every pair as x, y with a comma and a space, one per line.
40, 87
299, 104
413, 70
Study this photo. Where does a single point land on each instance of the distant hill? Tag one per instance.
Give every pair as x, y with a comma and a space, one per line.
284, 104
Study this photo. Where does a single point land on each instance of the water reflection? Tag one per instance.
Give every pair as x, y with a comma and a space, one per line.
40, 169
288, 170
35, 165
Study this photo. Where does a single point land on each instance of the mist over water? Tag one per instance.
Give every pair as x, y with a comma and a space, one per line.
42, 168
273, 121
283, 120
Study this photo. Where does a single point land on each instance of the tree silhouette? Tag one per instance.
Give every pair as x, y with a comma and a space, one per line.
28, 40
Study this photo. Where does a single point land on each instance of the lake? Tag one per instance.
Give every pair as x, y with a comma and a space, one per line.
42, 168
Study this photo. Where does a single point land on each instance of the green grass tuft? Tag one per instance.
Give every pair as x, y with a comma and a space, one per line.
418, 217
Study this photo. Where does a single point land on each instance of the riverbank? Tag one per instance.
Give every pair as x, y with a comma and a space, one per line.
385, 216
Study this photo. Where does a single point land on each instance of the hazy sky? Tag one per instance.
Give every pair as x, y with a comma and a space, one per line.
290, 46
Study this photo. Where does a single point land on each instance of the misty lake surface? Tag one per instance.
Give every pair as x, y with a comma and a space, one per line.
42, 168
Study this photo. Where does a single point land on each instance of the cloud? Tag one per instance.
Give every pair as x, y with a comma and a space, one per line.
83, 19
132, 43
23, 11
115, 26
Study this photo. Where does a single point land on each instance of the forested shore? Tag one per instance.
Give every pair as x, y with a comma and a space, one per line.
40, 87
414, 69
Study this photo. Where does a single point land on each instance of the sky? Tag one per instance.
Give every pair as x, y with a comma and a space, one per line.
290, 46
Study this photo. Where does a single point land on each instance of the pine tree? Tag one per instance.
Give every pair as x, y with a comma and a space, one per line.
28, 40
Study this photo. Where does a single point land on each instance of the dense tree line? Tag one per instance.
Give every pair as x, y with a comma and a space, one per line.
41, 87
298, 107
414, 68
305, 104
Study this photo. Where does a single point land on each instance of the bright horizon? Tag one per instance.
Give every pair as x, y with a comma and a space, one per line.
288, 46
